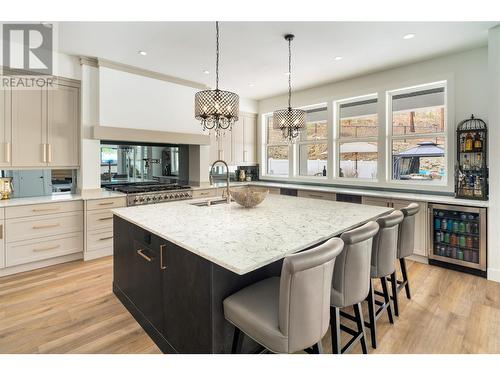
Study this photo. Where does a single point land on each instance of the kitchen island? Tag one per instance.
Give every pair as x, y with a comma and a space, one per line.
174, 263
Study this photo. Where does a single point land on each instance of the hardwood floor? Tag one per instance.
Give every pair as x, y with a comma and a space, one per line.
70, 308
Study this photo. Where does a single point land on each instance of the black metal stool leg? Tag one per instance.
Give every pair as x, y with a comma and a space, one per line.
237, 341
402, 261
361, 326
373, 318
394, 287
335, 329
387, 299
317, 348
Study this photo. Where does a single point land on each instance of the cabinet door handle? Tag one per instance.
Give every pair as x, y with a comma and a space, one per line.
1, 231
105, 203
105, 238
105, 218
46, 226
47, 248
45, 209
49, 153
140, 252
162, 247
44, 153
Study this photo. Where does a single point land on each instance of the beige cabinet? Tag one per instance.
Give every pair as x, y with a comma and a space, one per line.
420, 220
250, 139
44, 127
317, 195
63, 126
214, 148
29, 128
2, 242
226, 147
237, 141
5, 128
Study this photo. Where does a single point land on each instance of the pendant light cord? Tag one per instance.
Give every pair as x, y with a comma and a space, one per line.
289, 73
217, 58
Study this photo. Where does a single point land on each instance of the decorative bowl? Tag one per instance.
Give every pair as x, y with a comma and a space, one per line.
249, 196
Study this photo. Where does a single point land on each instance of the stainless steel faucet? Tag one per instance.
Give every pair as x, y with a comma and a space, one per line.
228, 195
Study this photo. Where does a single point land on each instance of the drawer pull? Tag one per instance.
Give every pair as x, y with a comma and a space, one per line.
47, 248
140, 252
45, 209
105, 238
105, 218
1, 231
46, 226
162, 247
106, 203
317, 196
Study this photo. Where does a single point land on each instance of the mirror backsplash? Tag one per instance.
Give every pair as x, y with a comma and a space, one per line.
39, 182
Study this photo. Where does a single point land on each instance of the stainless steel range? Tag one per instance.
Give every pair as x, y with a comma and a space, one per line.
147, 193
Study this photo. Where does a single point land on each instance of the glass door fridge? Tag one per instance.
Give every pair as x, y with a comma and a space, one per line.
458, 238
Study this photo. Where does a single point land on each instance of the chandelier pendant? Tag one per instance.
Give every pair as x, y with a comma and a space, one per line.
217, 110
289, 120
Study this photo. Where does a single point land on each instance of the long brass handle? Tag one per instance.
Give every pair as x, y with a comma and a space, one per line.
140, 252
47, 248
46, 226
49, 153
45, 209
316, 196
105, 238
44, 153
105, 203
105, 218
162, 247
1, 231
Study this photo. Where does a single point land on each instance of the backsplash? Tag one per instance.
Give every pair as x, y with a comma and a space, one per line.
39, 182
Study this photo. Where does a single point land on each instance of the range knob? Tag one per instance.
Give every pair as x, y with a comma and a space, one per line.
154, 198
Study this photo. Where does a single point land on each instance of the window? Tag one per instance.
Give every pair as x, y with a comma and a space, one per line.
357, 124
418, 134
277, 158
313, 144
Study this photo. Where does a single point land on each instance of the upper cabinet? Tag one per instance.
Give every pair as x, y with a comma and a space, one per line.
5, 128
239, 146
42, 128
63, 129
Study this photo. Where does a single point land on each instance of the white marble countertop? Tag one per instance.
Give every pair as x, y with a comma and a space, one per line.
242, 240
62, 197
364, 192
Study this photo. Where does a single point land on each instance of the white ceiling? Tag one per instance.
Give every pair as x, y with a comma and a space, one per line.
256, 53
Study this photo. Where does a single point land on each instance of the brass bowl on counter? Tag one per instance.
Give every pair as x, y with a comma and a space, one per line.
249, 196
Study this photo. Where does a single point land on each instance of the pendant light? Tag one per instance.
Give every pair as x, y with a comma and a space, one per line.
290, 121
217, 110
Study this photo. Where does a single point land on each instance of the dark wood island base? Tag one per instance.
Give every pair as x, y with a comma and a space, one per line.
175, 295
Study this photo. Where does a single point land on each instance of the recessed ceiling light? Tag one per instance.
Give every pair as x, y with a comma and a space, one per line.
251, 84
142, 53
338, 58
409, 36
206, 72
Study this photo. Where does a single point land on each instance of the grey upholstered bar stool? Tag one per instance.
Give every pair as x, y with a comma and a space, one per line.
351, 284
406, 244
384, 249
289, 313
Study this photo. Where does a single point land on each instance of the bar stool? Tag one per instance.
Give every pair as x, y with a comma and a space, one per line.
289, 313
351, 284
384, 249
406, 244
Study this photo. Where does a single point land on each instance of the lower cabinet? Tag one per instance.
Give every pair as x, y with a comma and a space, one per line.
2, 240
317, 195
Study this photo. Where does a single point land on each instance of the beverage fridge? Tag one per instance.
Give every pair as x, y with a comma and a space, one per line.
458, 238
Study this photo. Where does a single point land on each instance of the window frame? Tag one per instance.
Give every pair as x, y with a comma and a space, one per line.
266, 145
390, 137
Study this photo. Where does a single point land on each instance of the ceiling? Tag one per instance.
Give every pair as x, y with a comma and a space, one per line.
253, 56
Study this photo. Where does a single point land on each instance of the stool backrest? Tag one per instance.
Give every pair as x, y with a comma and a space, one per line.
351, 274
406, 238
385, 244
304, 301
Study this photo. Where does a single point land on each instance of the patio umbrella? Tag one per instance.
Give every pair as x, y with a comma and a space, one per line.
357, 147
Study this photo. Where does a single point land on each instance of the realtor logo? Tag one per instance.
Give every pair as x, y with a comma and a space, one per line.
28, 48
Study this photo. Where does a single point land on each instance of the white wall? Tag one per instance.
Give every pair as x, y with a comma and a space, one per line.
494, 153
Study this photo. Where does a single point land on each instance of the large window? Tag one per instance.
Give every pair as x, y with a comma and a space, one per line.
418, 134
387, 138
313, 144
357, 124
276, 150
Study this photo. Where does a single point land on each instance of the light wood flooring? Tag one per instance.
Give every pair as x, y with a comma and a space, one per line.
70, 308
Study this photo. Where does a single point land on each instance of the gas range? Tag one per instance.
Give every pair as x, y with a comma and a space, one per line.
146, 193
